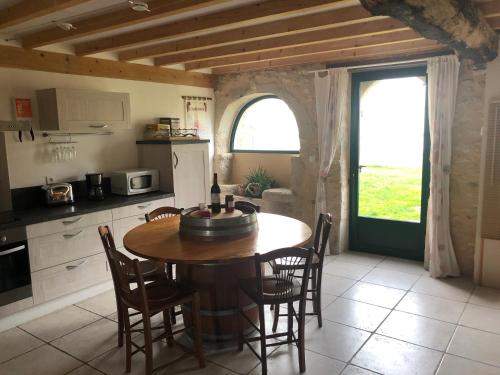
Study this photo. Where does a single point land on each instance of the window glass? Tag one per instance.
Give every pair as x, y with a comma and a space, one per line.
266, 124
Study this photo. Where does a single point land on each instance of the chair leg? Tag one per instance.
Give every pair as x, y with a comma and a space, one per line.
314, 286
168, 328
198, 344
170, 276
148, 344
301, 338
276, 317
120, 311
263, 352
318, 301
128, 342
290, 321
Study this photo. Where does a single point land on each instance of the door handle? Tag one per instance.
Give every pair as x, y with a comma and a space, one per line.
360, 168
68, 222
68, 236
73, 266
13, 250
176, 160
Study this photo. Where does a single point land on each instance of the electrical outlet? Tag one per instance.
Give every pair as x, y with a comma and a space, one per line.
49, 180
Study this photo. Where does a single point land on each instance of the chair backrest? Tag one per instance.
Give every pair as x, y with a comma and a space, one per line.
162, 212
121, 268
293, 260
244, 204
322, 234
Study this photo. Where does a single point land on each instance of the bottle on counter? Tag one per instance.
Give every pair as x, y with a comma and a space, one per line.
215, 196
229, 203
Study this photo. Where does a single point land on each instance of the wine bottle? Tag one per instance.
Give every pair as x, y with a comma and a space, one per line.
215, 196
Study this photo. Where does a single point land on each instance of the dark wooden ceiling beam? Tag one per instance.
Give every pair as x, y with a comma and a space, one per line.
350, 31
344, 44
113, 20
457, 24
402, 50
265, 11
30, 9
288, 26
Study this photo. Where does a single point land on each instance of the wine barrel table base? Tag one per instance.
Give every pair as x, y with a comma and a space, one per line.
214, 267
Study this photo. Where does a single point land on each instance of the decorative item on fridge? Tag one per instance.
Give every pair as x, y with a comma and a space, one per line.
168, 128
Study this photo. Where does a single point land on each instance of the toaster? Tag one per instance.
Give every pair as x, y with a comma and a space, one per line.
56, 194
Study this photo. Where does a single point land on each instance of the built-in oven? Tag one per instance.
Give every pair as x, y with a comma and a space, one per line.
15, 275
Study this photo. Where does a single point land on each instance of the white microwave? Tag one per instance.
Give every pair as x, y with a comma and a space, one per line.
134, 181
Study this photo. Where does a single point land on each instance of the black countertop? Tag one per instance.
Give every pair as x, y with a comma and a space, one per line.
82, 206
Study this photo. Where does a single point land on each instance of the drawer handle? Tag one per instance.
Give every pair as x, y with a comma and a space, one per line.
98, 126
72, 267
68, 222
144, 205
67, 236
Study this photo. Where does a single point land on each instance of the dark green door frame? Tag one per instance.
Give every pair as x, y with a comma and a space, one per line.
382, 236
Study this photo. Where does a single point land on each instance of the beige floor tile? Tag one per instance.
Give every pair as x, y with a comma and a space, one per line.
375, 294
285, 360
358, 257
103, 304
389, 356
334, 340
355, 314
480, 317
458, 289
476, 345
240, 362
418, 330
15, 342
345, 269
355, 370
391, 279
45, 360
60, 323
189, 366
453, 365
336, 285
431, 307
90, 341
85, 370
113, 361
402, 265
488, 297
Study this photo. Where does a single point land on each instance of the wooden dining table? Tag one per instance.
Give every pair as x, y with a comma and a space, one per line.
214, 267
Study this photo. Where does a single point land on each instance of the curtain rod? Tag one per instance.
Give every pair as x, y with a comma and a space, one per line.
373, 65
196, 98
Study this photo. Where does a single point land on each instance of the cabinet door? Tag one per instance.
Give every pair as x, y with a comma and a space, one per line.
87, 110
190, 172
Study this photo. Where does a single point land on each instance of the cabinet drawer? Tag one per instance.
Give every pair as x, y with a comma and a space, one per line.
69, 223
140, 208
70, 277
54, 249
122, 226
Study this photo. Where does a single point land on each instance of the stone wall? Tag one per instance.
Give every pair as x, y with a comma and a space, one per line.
465, 164
296, 87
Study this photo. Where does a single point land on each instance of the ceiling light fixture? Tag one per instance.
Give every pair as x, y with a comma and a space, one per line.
139, 6
66, 26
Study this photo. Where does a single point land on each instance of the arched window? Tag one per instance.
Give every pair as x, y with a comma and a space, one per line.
265, 124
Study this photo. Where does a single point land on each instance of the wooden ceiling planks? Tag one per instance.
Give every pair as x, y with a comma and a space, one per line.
30, 9
113, 20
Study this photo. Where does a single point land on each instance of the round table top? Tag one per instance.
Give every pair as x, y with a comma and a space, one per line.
160, 240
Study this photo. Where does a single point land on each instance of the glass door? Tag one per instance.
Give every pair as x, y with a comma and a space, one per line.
389, 162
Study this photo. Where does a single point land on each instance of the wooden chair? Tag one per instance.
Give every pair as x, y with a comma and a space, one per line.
244, 204
320, 241
275, 289
161, 213
148, 300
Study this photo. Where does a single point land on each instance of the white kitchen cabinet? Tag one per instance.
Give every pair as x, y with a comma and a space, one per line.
83, 110
140, 209
184, 169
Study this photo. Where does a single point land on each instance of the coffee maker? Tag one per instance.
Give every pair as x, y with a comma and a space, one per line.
95, 190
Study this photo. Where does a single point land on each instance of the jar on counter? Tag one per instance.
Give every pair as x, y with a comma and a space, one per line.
229, 203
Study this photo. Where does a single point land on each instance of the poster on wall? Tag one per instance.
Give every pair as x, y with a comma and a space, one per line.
196, 114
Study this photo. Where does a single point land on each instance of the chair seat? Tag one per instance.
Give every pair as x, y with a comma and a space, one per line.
161, 294
275, 289
150, 271
277, 265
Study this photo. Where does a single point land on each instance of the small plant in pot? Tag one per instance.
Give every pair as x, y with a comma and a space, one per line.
257, 181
